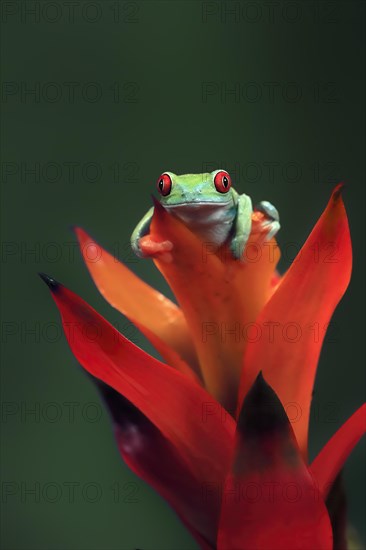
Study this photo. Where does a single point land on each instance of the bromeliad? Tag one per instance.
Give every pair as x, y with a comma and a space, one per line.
208, 428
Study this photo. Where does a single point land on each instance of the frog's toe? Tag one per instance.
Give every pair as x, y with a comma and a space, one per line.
237, 248
269, 224
269, 210
271, 228
150, 248
266, 229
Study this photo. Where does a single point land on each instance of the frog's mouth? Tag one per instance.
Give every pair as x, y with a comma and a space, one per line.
198, 204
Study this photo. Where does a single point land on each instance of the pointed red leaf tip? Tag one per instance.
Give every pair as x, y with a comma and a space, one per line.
268, 499
50, 282
187, 416
212, 290
159, 319
294, 321
326, 466
154, 459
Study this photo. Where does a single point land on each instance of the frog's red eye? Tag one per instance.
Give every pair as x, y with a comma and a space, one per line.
222, 182
164, 185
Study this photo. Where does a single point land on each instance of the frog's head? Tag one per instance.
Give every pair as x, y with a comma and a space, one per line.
190, 189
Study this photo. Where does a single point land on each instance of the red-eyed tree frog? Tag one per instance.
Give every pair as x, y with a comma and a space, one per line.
211, 208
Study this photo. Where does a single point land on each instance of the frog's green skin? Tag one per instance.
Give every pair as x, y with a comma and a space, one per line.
216, 217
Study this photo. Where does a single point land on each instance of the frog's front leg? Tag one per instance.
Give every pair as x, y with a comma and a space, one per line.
141, 243
269, 222
242, 227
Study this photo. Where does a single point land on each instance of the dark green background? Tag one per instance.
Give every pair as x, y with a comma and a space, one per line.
161, 55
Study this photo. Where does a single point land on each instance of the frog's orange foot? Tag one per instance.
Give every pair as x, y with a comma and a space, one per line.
152, 249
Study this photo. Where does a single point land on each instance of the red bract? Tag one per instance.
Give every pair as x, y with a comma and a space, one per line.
208, 428
271, 498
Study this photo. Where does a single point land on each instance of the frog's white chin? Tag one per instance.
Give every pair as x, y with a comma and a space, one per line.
211, 221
